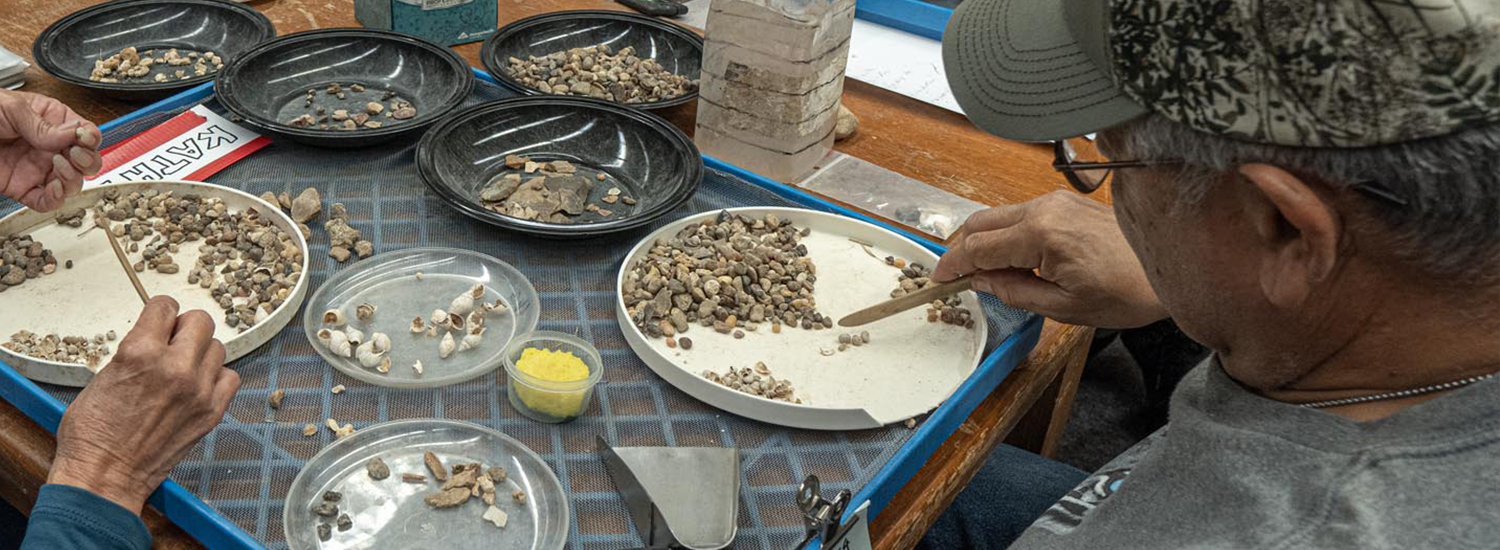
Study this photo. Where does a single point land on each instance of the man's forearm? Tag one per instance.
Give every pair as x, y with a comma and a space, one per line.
69, 517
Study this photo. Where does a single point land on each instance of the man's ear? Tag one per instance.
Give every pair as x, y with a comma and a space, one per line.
1299, 233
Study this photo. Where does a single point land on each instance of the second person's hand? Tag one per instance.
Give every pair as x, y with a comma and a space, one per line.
1060, 255
46, 150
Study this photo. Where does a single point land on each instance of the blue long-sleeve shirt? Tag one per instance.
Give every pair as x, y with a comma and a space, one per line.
75, 519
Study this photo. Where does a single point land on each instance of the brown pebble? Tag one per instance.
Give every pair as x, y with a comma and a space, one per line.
600, 176
672, 342
377, 469
686, 343
739, 334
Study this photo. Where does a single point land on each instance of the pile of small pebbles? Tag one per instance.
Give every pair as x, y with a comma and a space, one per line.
342, 238
853, 339
344, 241
131, 65
78, 350
552, 192
599, 72
915, 277
328, 509
758, 382
731, 273
22, 258
341, 108
247, 263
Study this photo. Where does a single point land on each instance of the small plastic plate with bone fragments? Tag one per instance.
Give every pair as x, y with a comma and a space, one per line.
908, 368
409, 284
392, 512
95, 296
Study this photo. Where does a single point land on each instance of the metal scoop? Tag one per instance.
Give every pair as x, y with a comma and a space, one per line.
678, 497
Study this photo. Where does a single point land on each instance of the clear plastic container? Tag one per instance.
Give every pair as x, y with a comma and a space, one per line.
548, 400
391, 513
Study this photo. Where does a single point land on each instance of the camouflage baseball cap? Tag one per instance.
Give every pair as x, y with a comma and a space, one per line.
1305, 73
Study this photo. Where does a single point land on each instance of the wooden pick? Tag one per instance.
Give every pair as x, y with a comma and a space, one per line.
125, 264
897, 305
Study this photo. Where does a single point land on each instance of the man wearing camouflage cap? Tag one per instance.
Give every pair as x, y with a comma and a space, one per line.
1311, 188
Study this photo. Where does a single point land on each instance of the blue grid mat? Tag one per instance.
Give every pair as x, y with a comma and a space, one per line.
242, 470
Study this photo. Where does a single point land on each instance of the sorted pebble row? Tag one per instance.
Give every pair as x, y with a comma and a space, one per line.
757, 381
599, 72
131, 65
732, 273
23, 258
248, 264
915, 277
853, 339
327, 112
552, 192
78, 350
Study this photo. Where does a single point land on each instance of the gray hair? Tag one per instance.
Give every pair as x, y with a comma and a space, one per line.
1449, 227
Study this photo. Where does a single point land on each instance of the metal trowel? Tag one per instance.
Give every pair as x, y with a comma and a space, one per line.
678, 497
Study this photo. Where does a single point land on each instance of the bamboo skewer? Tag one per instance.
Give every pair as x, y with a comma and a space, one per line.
125, 264
897, 305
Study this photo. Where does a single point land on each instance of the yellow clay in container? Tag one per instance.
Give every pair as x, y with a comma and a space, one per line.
552, 366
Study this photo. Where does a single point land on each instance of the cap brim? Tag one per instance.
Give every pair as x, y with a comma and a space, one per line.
1019, 73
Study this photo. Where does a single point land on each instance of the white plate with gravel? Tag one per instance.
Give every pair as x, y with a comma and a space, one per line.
410, 283
95, 296
909, 367
391, 513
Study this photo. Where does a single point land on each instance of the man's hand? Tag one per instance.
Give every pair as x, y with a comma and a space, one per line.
165, 388
46, 149
1060, 255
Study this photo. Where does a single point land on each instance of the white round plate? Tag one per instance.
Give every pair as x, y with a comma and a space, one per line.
95, 296
909, 367
389, 282
390, 513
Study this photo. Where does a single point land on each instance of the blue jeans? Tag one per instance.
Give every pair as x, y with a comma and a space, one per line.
1010, 491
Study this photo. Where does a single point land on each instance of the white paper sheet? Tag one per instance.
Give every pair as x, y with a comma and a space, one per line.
901, 62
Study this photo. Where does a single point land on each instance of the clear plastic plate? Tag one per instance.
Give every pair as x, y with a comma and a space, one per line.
389, 282
390, 513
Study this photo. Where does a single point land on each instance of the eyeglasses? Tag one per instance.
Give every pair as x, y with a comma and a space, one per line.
1086, 169
1079, 160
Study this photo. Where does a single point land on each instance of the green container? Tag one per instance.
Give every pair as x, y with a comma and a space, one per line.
445, 22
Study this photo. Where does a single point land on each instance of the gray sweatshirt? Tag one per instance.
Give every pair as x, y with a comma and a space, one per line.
1235, 470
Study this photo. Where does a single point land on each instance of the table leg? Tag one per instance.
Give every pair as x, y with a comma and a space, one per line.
1041, 430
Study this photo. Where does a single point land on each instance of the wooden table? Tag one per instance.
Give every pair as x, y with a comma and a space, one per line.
923, 142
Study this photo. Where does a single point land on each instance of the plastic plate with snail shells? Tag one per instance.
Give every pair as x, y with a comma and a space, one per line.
88, 294
908, 368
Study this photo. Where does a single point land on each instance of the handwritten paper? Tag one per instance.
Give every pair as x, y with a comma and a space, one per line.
901, 62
